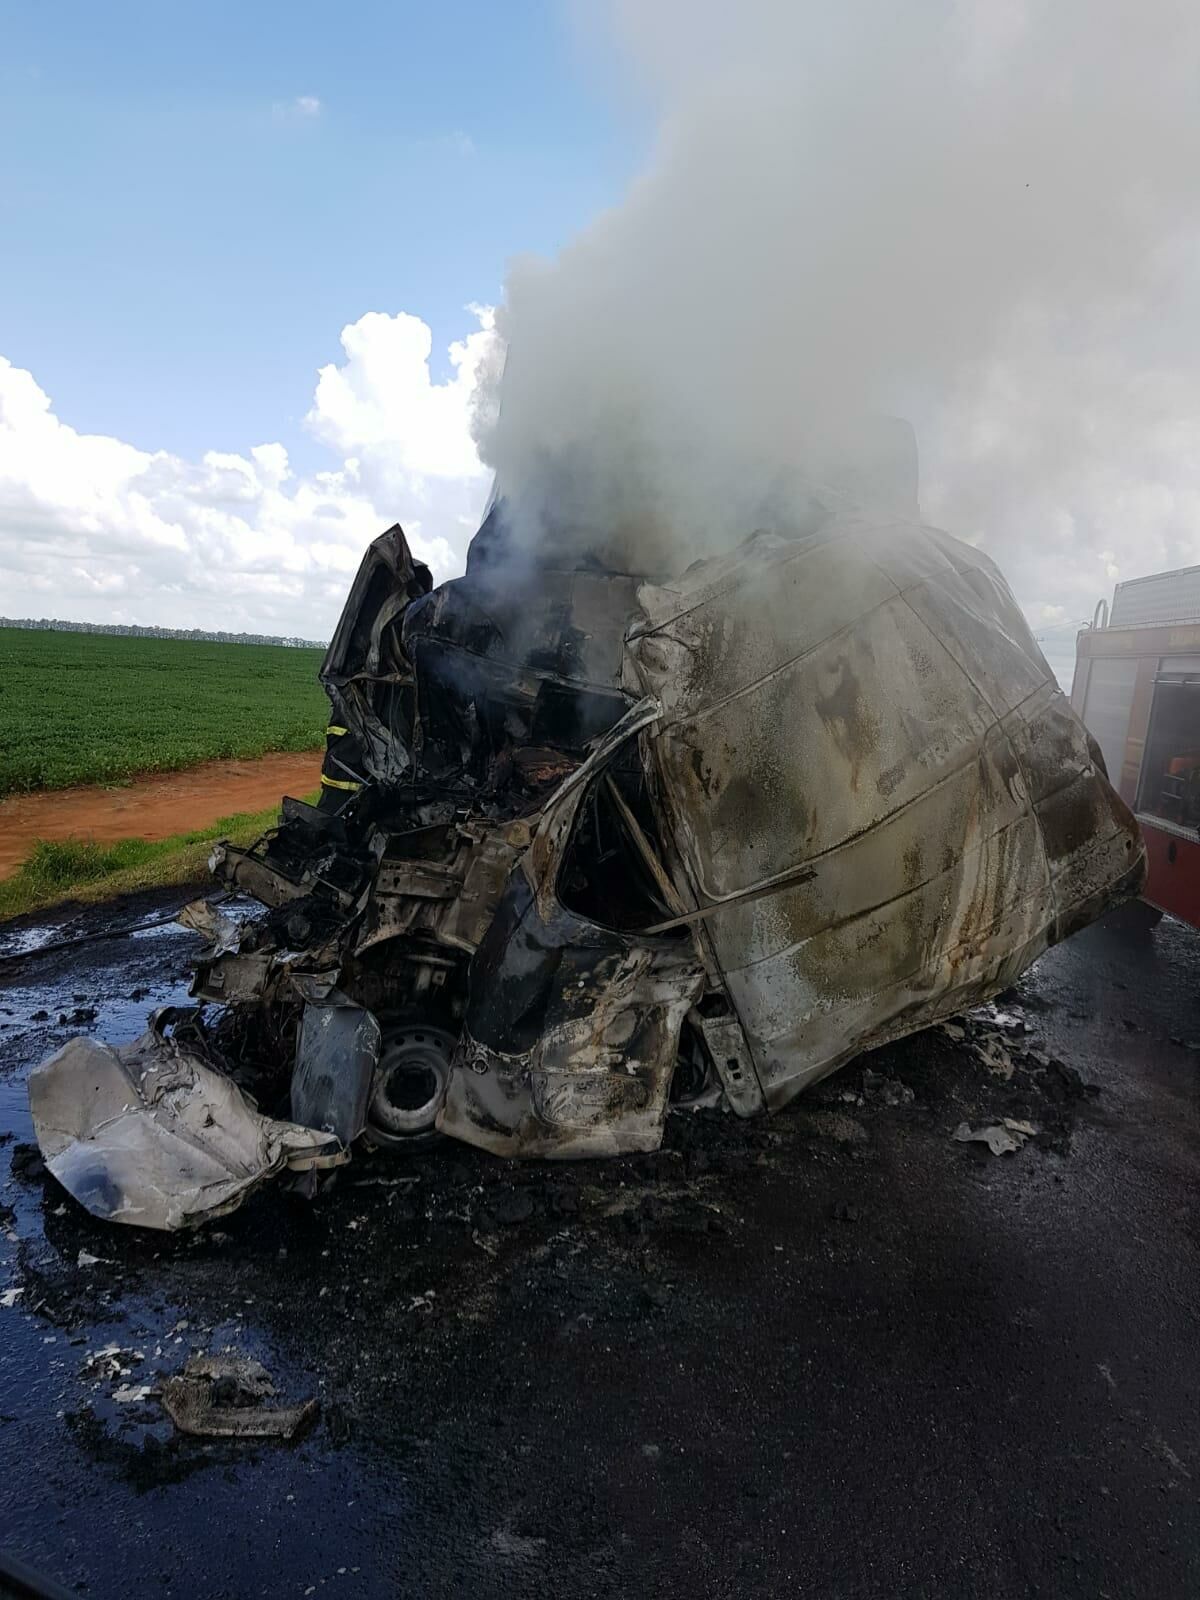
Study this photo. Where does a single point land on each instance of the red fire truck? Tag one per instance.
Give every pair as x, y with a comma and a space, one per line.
1137, 688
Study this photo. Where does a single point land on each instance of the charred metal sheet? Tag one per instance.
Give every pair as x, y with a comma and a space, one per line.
491, 862
366, 673
233, 977
451, 899
572, 1029
149, 1135
322, 823
315, 988
731, 1057
407, 897
596, 1077
884, 805
265, 872
336, 1056
245, 871
220, 932
221, 1397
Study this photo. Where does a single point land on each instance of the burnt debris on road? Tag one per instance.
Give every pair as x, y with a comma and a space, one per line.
834, 1351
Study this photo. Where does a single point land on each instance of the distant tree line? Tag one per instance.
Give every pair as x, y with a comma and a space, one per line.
132, 630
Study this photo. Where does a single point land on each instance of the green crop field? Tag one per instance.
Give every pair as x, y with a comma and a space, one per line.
99, 708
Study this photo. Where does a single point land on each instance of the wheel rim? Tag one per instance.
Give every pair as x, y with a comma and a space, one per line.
410, 1082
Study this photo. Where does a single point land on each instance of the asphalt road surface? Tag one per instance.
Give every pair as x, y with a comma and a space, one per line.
837, 1353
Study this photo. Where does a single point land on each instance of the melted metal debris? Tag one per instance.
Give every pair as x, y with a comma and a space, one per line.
220, 1397
150, 1135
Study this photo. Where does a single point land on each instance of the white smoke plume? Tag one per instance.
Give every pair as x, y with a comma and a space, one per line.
977, 214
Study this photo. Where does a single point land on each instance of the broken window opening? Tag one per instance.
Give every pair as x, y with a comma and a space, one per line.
1169, 789
612, 871
569, 718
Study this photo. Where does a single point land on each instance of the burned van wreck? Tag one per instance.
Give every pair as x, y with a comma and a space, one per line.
588, 844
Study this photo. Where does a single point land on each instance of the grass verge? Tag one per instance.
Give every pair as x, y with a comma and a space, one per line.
82, 870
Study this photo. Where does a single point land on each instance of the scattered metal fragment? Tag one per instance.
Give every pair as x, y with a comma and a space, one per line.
221, 1397
111, 1361
1002, 1138
131, 1393
222, 933
992, 1051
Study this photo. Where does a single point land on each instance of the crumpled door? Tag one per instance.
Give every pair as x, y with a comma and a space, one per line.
368, 677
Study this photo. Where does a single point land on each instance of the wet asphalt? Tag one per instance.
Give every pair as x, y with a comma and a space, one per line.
837, 1353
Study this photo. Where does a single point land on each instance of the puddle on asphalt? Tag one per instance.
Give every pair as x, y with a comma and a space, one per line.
26, 940
118, 1019
14, 1109
62, 1300
90, 1449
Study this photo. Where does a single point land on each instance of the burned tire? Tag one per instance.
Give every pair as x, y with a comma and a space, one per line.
409, 1086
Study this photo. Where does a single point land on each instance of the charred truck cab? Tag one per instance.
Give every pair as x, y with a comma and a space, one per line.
587, 843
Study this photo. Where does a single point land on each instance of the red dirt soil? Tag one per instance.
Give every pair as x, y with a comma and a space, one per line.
155, 806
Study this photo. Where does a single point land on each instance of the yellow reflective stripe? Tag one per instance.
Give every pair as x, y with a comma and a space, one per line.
335, 731
338, 783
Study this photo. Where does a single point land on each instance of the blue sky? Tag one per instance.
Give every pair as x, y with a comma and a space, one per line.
185, 239
237, 245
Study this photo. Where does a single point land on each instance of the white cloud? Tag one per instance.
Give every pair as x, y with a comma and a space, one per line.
302, 109
1074, 473
94, 529
384, 397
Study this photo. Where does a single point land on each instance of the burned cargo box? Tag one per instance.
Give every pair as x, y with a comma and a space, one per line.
588, 844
